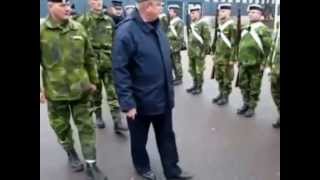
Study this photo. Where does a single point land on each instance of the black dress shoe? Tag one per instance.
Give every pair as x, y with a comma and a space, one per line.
149, 175
182, 176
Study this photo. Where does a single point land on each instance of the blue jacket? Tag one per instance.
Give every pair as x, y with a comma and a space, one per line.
141, 67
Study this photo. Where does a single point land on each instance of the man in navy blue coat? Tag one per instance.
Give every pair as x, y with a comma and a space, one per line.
144, 84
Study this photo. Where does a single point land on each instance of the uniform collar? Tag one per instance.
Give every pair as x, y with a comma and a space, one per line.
68, 25
96, 16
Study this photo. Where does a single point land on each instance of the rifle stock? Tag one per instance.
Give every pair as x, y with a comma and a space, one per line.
216, 24
237, 44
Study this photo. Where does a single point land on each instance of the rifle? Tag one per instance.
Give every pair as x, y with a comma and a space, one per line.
238, 43
216, 25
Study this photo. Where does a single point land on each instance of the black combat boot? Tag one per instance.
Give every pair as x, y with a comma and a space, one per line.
243, 109
74, 161
249, 113
223, 101
276, 124
99, 121
177, 81
189, 90
197, 90
118, 125
216, 99
93, 172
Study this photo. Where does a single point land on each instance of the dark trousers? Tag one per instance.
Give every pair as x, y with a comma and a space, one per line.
165, 138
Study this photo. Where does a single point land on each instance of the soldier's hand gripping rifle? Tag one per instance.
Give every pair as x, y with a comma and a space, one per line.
237, 44
216, 28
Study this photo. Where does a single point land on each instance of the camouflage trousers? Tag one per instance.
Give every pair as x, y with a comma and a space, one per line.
224, 74
275, 89
196, 69
112, 99
177, 66
59, 117
250, 84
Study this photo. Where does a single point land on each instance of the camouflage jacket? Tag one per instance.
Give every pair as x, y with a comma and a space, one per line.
100, 29
199, 39
225, 45
164, 22
176, 34
67, 60
255, 44
275, 58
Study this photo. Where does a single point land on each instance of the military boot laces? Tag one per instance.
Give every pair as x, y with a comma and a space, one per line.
99, 121
74, 161
249, 113
216, 99
223, 101
243, 109
94, 173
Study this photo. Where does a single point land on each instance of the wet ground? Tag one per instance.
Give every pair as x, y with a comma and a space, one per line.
213, 142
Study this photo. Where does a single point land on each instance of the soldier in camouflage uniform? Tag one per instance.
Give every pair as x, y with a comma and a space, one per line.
176, 40
224, 50
100, 28
164, 20
275, 77
254, 49
74, 13
198, 46
69, 75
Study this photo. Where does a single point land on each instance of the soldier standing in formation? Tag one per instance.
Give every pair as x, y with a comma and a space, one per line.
100, 28
198, 47
164, 19
224, 51
254, 49
69, 77
176, 40
275, 77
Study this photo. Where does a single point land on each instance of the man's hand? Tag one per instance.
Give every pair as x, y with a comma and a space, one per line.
92, 88
43, 98
131, 114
